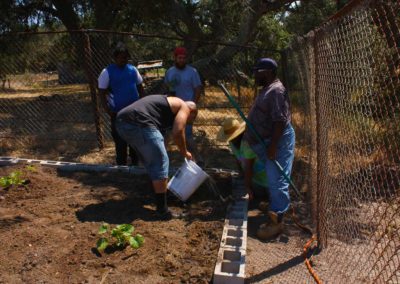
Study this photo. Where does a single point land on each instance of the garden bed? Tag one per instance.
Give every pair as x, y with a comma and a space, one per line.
49, 230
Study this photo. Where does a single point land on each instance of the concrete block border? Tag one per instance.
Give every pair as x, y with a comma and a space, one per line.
231, 261
72, 166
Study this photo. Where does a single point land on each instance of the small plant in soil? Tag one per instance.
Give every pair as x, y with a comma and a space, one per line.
14, 178
118, 237
31, 168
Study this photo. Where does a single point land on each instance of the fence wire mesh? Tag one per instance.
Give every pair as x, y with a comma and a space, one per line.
48, 96
345, 87
348, 71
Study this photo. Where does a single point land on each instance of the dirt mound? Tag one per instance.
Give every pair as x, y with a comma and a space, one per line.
49, 230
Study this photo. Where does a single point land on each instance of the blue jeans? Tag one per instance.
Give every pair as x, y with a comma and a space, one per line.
149, 143
278, 186
121, 147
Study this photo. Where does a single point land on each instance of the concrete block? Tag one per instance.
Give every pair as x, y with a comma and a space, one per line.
230, 267
49, 163
235, 232
239, 194
33, 161
234, 238
235, 242
7, 161
237, 215
236, 222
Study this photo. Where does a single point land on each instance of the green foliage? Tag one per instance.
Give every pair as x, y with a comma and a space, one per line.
31, 168
120, 236
271, 33
14, 178
102, 244
307, 15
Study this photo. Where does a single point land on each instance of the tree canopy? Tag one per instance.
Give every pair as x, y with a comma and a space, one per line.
236, 21
264, 24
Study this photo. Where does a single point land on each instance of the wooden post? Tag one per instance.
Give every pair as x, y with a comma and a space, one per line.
238, 89
93, 87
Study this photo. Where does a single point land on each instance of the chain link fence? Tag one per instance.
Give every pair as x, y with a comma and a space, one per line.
345, 91
48, 97
347, 81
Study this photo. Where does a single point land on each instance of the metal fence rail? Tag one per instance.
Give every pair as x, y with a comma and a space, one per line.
349, 71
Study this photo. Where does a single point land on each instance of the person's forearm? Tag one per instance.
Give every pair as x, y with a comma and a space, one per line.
197, 94
180, 141
103, 99
278, 128
141, 92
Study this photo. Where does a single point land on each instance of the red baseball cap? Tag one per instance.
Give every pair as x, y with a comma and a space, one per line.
179, 51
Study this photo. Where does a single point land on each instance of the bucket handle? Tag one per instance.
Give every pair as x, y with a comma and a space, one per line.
190, 168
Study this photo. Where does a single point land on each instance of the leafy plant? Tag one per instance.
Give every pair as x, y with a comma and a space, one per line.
14, 178
119, 236
31, 168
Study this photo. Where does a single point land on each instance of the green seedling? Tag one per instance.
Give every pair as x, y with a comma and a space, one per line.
120, 236
14, 178
31, 168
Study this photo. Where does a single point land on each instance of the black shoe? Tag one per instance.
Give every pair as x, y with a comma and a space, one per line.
169, 215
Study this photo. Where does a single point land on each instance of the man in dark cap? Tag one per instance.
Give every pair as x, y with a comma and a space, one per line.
271, 118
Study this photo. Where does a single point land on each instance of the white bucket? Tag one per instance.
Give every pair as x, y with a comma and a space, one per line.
186, 180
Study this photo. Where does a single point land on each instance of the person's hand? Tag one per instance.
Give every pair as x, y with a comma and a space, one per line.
250, 193
110, 112
271, 152
188, 155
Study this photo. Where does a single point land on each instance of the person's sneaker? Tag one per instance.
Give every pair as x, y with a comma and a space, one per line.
263, 206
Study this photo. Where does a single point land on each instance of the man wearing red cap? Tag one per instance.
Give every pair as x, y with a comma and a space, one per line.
183, 81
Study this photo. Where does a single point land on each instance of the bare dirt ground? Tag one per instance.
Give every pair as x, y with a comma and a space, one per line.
50, 227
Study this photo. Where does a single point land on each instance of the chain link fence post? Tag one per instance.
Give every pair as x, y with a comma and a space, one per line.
89, 70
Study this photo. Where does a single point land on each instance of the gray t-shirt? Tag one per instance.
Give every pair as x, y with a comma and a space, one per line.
183, 82
271, 105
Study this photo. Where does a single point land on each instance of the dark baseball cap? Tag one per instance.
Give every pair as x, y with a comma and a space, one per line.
266, 64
